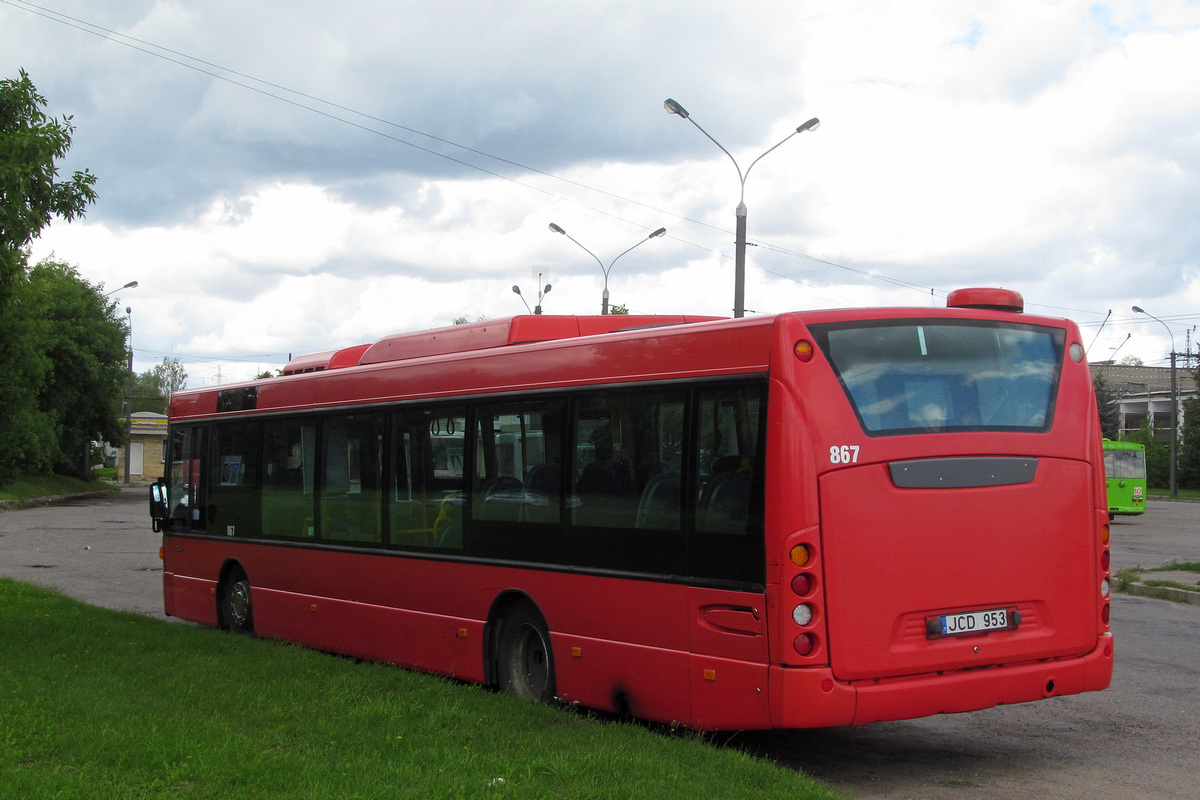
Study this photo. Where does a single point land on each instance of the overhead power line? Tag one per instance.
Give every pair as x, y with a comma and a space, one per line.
306, 101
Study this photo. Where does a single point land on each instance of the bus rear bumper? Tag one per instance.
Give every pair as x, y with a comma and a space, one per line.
814, 698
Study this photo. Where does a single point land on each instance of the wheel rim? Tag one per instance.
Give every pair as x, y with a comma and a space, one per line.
530, 663
239, 604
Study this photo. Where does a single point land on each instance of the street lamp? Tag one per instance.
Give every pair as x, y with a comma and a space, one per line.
541, 293
739, 275
606, 270
129, 389
130, 285
1174, 410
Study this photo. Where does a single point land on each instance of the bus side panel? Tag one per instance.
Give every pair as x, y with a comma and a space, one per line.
728, 665
631, 635
451, 646
645, 682
192, 599
619, 645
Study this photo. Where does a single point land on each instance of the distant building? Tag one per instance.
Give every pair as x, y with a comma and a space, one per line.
1145, 393
147, 448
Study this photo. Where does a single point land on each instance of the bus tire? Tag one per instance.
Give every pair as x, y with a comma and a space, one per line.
525, 658
237, 610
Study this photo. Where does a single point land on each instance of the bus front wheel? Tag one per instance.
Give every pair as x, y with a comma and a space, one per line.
525, 665
237, 611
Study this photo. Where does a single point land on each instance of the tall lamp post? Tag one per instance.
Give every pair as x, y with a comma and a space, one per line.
129, 394
739, 276
1174, 410
604, 269
87, 446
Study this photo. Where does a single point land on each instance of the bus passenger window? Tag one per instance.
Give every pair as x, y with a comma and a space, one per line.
519, 462
351, 482
627, 509
427, 485
728, 540
233, 498
289, 464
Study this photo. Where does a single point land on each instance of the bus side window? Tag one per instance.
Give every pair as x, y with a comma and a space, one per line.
519, 463
728, 540
628, 507
352, 478
289, 465
185, 484
604, 483
233, 499
427, 484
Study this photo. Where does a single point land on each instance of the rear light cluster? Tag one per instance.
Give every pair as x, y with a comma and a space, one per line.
805, 600
1105, 579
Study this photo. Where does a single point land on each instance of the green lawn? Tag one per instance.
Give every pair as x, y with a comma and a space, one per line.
99, 704
30, 487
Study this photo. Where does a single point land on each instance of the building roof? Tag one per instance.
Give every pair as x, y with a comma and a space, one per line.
1126, 378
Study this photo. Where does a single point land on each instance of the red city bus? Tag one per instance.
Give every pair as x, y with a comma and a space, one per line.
811, 519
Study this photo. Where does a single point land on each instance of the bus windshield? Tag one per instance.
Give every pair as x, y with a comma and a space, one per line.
921, 376
1127, 464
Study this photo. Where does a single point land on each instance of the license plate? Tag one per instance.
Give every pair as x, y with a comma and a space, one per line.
972, 622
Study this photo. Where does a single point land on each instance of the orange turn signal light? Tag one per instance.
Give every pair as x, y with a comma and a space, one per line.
803, 350
800, 555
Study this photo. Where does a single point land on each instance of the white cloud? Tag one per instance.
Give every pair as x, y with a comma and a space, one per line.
1053, 148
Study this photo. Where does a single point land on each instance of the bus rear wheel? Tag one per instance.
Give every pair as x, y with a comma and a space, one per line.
525, 665
237, 611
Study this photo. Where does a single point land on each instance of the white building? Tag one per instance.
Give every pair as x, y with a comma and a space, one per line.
1143, 392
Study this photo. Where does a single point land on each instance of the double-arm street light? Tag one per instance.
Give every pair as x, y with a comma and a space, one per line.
604, 269
1174, 410
542, 292
739, 277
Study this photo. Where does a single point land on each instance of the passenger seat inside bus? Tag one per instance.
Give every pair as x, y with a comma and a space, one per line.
660, 504
725, 501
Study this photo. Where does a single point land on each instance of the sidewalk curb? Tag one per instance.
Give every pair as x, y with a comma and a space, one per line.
1162, 593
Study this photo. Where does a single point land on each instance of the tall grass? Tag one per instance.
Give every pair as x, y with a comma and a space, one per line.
99, 704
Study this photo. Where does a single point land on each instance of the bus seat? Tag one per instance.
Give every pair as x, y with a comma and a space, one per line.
542, 489
659, 507
501, 499
725, 504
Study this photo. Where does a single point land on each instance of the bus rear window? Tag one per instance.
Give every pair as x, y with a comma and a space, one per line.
920, 376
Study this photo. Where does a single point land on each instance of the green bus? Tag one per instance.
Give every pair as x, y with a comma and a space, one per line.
1125, 469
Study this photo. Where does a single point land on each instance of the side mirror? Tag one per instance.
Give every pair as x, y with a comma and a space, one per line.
158, 505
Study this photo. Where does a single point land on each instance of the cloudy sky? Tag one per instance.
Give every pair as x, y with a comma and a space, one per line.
289, 177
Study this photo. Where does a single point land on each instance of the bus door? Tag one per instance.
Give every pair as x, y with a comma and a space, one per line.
185, 478
728, 630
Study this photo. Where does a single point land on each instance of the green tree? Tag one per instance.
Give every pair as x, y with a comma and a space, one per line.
31, 144
146, 394
1187, 466
1158, 458
153, 388
1106, 404
82, 337
26, 434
